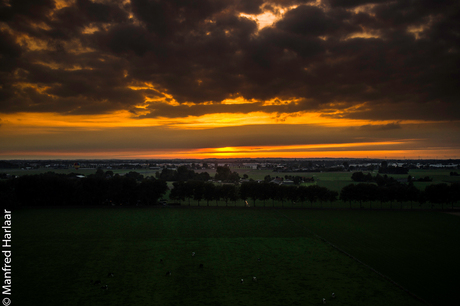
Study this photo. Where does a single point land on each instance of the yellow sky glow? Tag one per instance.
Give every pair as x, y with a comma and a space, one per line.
197, 154
303, 151
267, 18
40, 122
274, 153
232, 150
16, 125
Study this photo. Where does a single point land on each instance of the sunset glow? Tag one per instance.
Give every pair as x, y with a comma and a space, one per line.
44, 121
239, 79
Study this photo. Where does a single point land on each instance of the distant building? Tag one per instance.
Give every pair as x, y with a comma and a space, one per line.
251, 166
277, 181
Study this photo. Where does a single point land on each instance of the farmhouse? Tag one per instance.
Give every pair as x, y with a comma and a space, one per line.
277, 180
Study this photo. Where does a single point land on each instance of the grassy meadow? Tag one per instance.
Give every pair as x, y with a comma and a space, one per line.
416, 249
58, 252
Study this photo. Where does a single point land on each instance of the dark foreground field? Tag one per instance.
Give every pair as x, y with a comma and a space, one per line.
57, 252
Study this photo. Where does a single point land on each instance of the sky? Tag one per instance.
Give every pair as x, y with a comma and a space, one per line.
145, 79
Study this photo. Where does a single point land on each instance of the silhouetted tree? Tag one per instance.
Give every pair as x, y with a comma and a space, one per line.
412, 193
229, 192
222, 173
209, 192
178, 191
197, 190
150, 190
7, 193
245, 190
347, 193
282, 193
454, 194
135, 175
183, 174
438, 194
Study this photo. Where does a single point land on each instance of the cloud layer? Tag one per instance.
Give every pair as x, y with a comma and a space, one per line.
396, 60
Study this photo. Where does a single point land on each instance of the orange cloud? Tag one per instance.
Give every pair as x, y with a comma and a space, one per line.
41, 122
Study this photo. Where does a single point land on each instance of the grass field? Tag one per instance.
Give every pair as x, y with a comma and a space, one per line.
418, 249
57, 252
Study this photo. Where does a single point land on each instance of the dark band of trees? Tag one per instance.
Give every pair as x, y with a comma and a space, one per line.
51, 189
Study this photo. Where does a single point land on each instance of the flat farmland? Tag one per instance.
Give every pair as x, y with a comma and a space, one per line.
331, 180
20, 172
59, 253
416, 249
337, 180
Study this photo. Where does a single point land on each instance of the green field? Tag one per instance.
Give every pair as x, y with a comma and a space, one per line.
416, 249
57, 252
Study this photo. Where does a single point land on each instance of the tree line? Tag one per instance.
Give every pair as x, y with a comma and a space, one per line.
107, 188
182, 173
52, 189
436, 194
386, 189
257, 193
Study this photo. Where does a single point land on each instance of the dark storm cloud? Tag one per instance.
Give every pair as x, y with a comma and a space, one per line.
8, 46
29, 10
436, 111
62, 24
353, 3
170, 111
400, 56
250, 7
382, 127
10, 52
308, 21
